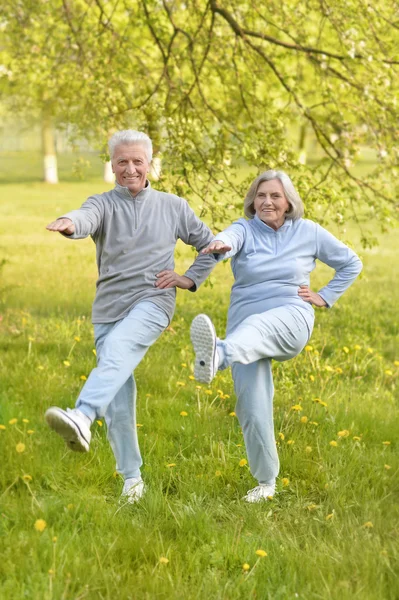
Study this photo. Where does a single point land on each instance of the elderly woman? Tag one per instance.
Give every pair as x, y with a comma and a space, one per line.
270, 314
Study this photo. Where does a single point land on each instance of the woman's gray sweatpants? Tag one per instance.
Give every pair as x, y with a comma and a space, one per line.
279, 334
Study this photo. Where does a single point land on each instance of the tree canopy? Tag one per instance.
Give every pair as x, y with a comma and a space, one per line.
220, 84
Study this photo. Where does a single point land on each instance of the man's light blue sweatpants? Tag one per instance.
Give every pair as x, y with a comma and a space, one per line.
110, 390
279, 334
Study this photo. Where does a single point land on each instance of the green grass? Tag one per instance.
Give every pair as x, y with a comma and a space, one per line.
192, 513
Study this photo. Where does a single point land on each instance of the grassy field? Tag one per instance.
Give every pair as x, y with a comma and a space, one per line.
330, 532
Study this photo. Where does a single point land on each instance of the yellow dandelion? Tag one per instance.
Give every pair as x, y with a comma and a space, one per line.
388, 372
183, 413
184, 365
218, 473
357, 347
338, 370
308, 348
99, 423
171, 465
51, 572
290, 442
303, 419
296, 407
25, 420
356, 438
76, 338
83, 378
261, 553
328, 369
139, 425
312, 506
396, 363
198, 387
20, 447
311, 377
163, 560
12, 421
27, 477
191, 377
209, 392
239, 445
322, 403
370, 350
55, 539
70, 506
30, 431
40, 367
281, 436
386, 443
245, 567
345, 349
226, 396
387, 467
94, 352
243, 462
285, 481
220, 392
308, 450
40, 525
343, 434
330, 516
232, 414
180, 383
315, 423
2, 427
66, 363
368, 525
333, 443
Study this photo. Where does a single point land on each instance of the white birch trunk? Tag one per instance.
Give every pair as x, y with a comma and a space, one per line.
49, 155
109, 177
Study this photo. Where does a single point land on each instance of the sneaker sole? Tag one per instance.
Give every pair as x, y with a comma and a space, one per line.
62, 424
203, 337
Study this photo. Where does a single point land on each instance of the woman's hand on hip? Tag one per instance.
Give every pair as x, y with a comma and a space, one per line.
308, 296
170, 279
216, 248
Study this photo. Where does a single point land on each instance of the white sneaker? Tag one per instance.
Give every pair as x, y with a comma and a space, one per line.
72, 425
203, 337
263, 491
133, 490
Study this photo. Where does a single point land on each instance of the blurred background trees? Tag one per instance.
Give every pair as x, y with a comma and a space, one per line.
225, 89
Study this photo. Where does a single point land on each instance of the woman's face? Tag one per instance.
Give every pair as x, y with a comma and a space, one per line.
271, 204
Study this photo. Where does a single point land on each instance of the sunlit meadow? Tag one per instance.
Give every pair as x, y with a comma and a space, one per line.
330, 532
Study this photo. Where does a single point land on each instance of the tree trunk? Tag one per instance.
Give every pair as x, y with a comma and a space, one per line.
156, 168
302, 144
49, 154
109, 177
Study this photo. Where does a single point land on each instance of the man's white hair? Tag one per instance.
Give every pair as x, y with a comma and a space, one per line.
294, 200
130, 136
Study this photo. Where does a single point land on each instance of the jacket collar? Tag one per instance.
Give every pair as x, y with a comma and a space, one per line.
263, 227
124, 191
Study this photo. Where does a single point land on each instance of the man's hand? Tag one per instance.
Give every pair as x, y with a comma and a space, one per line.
308, 296
216, 248
63, 226
170, 279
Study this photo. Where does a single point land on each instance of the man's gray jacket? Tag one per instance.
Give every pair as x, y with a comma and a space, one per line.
135, 239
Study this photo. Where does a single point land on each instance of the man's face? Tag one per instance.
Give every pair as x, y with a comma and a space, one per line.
130, 165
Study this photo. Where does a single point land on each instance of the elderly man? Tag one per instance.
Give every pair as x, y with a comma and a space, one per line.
135, 229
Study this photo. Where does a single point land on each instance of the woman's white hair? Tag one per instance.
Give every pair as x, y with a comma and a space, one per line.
294, 200
130, 136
